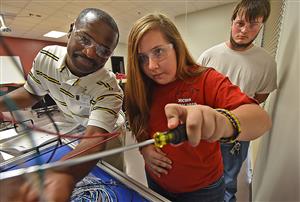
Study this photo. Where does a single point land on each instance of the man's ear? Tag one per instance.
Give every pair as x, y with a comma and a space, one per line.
70, 30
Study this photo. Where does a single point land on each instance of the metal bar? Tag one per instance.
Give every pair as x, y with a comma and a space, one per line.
71, 162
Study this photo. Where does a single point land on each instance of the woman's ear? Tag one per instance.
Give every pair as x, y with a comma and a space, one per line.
70, 30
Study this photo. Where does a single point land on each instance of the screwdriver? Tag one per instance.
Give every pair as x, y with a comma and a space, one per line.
160, 139
173, 136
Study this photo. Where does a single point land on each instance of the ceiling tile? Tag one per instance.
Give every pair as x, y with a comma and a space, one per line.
58, 14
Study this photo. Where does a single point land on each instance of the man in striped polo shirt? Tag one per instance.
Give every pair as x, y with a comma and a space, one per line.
85, 92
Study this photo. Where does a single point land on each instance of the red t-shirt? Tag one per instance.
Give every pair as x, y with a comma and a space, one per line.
193, 167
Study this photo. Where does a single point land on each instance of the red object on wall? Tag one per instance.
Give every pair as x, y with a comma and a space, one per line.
26, 49
1, 117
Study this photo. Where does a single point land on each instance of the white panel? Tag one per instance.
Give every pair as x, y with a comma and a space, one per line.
11, 70
277, 171
206, 28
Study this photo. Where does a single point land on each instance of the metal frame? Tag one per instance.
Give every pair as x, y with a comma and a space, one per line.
114, 172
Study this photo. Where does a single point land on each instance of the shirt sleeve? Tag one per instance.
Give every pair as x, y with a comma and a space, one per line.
203, 59
221, 93
106, 110
269, 82
33, 83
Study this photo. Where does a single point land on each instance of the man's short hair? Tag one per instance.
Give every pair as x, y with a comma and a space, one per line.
252, 9
100, 15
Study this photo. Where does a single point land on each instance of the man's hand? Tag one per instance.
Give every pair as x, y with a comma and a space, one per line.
53, 186
156, 160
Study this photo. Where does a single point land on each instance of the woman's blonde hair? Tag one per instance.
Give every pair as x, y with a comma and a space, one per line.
138, 93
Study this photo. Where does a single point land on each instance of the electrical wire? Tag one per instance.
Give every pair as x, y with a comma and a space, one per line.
10, 167
59, 142
108, 136
95, 135
91, 147
47, 112
7, 101
12, 106
94, 189
68, 135
71, 162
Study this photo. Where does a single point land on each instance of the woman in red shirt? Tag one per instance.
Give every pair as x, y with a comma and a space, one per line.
165, 87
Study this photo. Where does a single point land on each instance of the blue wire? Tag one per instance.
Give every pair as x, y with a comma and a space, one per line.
12, 106
91, 189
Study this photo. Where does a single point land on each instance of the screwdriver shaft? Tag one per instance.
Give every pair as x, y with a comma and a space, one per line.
71, 162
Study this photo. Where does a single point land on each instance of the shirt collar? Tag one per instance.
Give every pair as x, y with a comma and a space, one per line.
62, 62
67, 76
74, 80
93, 77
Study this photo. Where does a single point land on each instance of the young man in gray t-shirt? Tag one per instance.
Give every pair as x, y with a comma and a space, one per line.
248, 66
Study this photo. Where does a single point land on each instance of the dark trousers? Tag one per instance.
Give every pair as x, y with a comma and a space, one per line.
212, 193
232, 167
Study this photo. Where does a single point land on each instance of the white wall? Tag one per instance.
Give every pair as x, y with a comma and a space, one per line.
276, 173
200, 30
203, 29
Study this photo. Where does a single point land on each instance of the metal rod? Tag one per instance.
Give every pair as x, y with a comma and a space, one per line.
71, 162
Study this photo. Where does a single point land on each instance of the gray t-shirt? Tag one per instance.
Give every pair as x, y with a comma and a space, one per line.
253, 70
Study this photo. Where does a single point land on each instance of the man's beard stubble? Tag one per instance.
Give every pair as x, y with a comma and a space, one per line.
241, 46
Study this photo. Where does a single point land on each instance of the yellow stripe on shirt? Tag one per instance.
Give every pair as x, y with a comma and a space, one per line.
66, 93
47, 77
51, 55
105, 109
109, 95
101, 83
34, 78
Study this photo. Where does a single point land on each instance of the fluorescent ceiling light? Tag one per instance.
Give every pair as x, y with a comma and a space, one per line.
3, 27
55, 34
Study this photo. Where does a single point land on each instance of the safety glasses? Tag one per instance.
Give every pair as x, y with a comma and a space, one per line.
87, 42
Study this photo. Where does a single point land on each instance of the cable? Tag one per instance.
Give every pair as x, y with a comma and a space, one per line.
56, 129
71, 162
68, 135
89, 148
35, 156
93, 189
11, 105
7, 100
173, 136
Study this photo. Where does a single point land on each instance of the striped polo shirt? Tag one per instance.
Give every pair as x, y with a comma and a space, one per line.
95, 99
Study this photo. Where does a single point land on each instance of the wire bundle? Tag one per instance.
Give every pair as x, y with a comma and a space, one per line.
92, 189
11, 106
